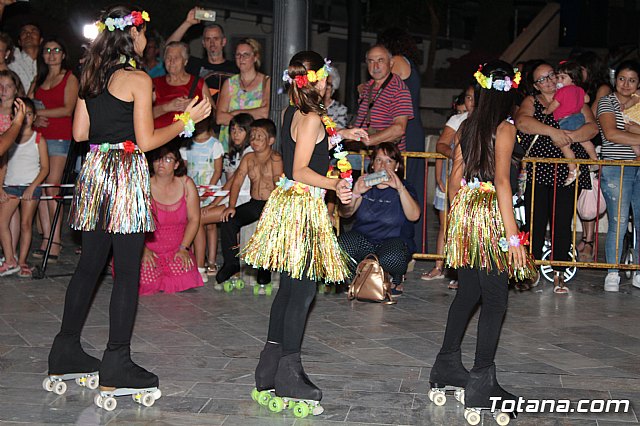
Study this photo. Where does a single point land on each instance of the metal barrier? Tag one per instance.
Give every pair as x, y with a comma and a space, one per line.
431, 157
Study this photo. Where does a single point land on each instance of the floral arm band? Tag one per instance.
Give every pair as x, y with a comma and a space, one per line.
189, 125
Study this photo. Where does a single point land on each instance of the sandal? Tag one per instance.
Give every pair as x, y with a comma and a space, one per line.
558, 284
573, 175
6, 269
212, 269
39, 253
584, 257
395, 291
428, 276
25, 271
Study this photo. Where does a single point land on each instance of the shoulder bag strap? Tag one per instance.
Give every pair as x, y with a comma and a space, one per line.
192, 91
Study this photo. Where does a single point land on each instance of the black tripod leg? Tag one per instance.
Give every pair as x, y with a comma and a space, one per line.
66, 177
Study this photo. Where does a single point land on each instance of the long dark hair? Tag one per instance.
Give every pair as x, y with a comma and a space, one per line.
244, 121
306, 98
478, 132
43, 69
574, 70
105, 52
597, 73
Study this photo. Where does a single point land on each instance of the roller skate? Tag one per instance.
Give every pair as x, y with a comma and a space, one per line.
263, 283
120, 376
482, 385
266, 373
68, 361
229, 277
294, 390
448, 376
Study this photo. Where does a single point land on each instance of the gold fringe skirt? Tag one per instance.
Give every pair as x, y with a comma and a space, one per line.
474, 230
113, 192
295, 235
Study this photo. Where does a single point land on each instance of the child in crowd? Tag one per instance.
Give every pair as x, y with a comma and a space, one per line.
24, 167
565, 107
10, 88
263, 166
203, 156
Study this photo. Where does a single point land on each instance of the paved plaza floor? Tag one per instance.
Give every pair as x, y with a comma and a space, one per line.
372, 361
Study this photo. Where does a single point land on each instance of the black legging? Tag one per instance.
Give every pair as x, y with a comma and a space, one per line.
393, 254
475, 286
544, 213
289, 312
127, 254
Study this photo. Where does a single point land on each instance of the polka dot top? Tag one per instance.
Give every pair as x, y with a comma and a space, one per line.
545, 148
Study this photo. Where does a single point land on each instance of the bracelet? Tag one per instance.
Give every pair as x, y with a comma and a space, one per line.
182, 247
189, 125
514, 241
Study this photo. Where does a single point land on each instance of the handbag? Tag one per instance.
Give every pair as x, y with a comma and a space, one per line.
591, 203
370, 283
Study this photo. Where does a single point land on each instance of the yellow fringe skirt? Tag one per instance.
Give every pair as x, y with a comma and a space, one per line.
474, 231
113, 191
295, 235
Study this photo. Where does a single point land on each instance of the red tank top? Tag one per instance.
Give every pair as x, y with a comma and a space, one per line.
166, 93
59, 127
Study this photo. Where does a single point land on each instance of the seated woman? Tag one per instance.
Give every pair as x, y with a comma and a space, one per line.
167, 263
381, 211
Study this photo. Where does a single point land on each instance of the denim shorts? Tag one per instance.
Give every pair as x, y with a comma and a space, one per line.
58, 147
17, 191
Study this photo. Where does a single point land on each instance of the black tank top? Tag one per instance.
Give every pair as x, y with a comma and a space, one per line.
111, 118
319, 161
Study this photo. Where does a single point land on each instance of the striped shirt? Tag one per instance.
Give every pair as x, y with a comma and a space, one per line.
393, 102
610, 150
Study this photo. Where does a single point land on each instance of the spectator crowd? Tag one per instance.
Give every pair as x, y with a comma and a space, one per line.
569, 110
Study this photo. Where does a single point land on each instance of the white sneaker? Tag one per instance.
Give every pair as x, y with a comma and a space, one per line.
636, 280
203, 274
612, 282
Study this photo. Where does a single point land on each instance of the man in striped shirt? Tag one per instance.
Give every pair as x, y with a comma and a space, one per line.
385, 102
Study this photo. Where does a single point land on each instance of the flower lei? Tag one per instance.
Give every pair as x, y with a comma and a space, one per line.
189, 124
134, 18
310, 77
335, 139
514, 241
501, 85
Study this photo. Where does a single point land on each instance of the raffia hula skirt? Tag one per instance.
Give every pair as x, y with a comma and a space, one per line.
474, 231
113, 191
295, 235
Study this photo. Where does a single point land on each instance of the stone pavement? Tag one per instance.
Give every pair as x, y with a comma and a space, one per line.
371, 361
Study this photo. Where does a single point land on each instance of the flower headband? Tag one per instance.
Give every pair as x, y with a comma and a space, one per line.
134, 18
501, 85
311, 76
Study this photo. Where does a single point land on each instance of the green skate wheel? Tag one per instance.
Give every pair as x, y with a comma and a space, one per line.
268, 289
276, 404
228, 286
239, 284
256, 289
301, 410
264, 398
254, 394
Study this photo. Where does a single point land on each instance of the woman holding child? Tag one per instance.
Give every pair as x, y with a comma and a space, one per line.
540, 134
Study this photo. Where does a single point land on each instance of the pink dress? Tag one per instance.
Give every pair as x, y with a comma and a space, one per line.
168, 275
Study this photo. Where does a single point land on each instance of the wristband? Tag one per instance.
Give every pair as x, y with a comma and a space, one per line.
182, 247
189, 125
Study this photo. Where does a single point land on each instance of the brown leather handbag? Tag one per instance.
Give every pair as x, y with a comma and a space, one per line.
370, 283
